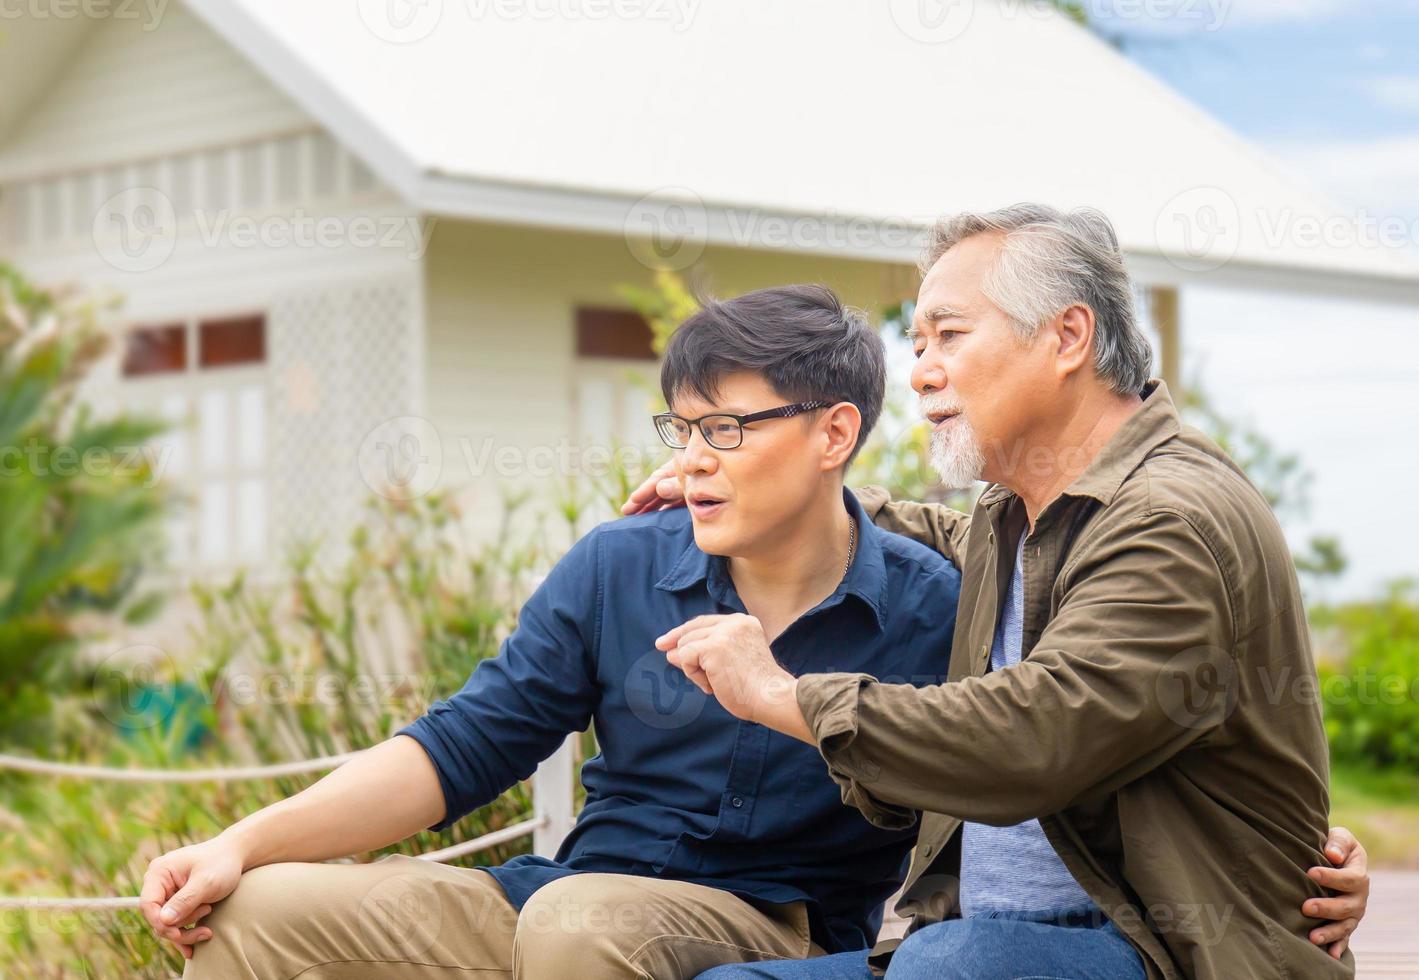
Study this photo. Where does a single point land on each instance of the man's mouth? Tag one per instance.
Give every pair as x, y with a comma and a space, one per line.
938, 419
704, 505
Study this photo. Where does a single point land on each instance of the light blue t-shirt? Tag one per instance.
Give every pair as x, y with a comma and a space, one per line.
1014, 869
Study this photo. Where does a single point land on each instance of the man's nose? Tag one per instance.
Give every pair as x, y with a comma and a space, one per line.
698, 456
928, 374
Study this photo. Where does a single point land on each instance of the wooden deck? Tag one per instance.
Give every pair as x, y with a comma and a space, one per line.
1386, 945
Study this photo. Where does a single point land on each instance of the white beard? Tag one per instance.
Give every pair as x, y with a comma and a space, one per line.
956, 454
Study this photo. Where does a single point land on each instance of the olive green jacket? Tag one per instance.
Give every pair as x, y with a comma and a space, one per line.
1163, 724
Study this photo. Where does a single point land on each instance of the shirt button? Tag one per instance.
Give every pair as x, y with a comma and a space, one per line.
737, 802
928, 850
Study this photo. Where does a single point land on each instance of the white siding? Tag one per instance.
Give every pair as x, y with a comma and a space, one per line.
502, 371
131, 93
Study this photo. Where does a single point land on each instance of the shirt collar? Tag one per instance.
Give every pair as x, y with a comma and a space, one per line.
866, 578
1153, 424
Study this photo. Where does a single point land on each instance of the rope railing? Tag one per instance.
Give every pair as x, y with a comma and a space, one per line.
547, 826
508, 833
41, 767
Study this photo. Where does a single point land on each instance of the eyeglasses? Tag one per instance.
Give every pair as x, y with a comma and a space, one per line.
722, 431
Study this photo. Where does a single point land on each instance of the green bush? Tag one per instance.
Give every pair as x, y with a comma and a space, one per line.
1371, 691
412, 606
79, 507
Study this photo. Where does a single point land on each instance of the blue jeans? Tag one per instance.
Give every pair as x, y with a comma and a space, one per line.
980, 948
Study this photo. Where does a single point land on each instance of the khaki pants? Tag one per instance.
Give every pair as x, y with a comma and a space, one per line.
406, 918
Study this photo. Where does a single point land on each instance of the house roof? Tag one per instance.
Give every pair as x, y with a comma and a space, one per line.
806, 124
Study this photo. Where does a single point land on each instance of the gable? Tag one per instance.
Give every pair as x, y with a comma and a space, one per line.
135, 89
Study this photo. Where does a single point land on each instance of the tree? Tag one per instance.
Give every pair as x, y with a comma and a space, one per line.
79, 507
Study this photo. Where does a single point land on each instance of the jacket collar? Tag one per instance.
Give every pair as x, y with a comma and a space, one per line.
1149, 427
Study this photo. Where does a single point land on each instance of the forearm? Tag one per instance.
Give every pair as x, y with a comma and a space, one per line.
381, 796
781, 712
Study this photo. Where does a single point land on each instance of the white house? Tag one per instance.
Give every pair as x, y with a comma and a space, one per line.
385, 237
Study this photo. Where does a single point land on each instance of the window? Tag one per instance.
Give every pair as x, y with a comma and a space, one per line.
155, 350
616, 387
241, 340
613, 333
207, 379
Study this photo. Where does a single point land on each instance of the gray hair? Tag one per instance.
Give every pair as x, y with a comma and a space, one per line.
1050, 261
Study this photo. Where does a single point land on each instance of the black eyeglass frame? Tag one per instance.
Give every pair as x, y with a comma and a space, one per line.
782, 412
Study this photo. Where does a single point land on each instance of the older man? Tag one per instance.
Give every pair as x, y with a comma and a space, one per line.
1119, 780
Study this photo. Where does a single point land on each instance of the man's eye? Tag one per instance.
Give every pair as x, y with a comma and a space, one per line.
919, 350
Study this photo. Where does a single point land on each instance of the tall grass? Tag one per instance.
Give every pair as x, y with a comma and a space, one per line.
329, 657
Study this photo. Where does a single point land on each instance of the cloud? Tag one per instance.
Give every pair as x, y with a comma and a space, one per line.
1380, 174
1269, 11
1392, 91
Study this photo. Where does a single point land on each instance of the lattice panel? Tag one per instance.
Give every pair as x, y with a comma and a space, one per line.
342, 362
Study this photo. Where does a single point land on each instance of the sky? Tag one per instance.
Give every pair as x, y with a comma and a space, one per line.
1330, 89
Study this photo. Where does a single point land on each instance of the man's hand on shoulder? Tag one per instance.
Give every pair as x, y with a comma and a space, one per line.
660, 491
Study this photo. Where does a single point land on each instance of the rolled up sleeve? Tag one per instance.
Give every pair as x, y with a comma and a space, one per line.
1137, 665
829, 702
517, 708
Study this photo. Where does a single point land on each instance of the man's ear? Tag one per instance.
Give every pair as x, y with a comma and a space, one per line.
1075, 331
839, 426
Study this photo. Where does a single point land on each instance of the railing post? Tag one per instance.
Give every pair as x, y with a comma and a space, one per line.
552, 785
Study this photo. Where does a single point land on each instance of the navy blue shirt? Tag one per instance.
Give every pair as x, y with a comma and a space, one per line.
681, 788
